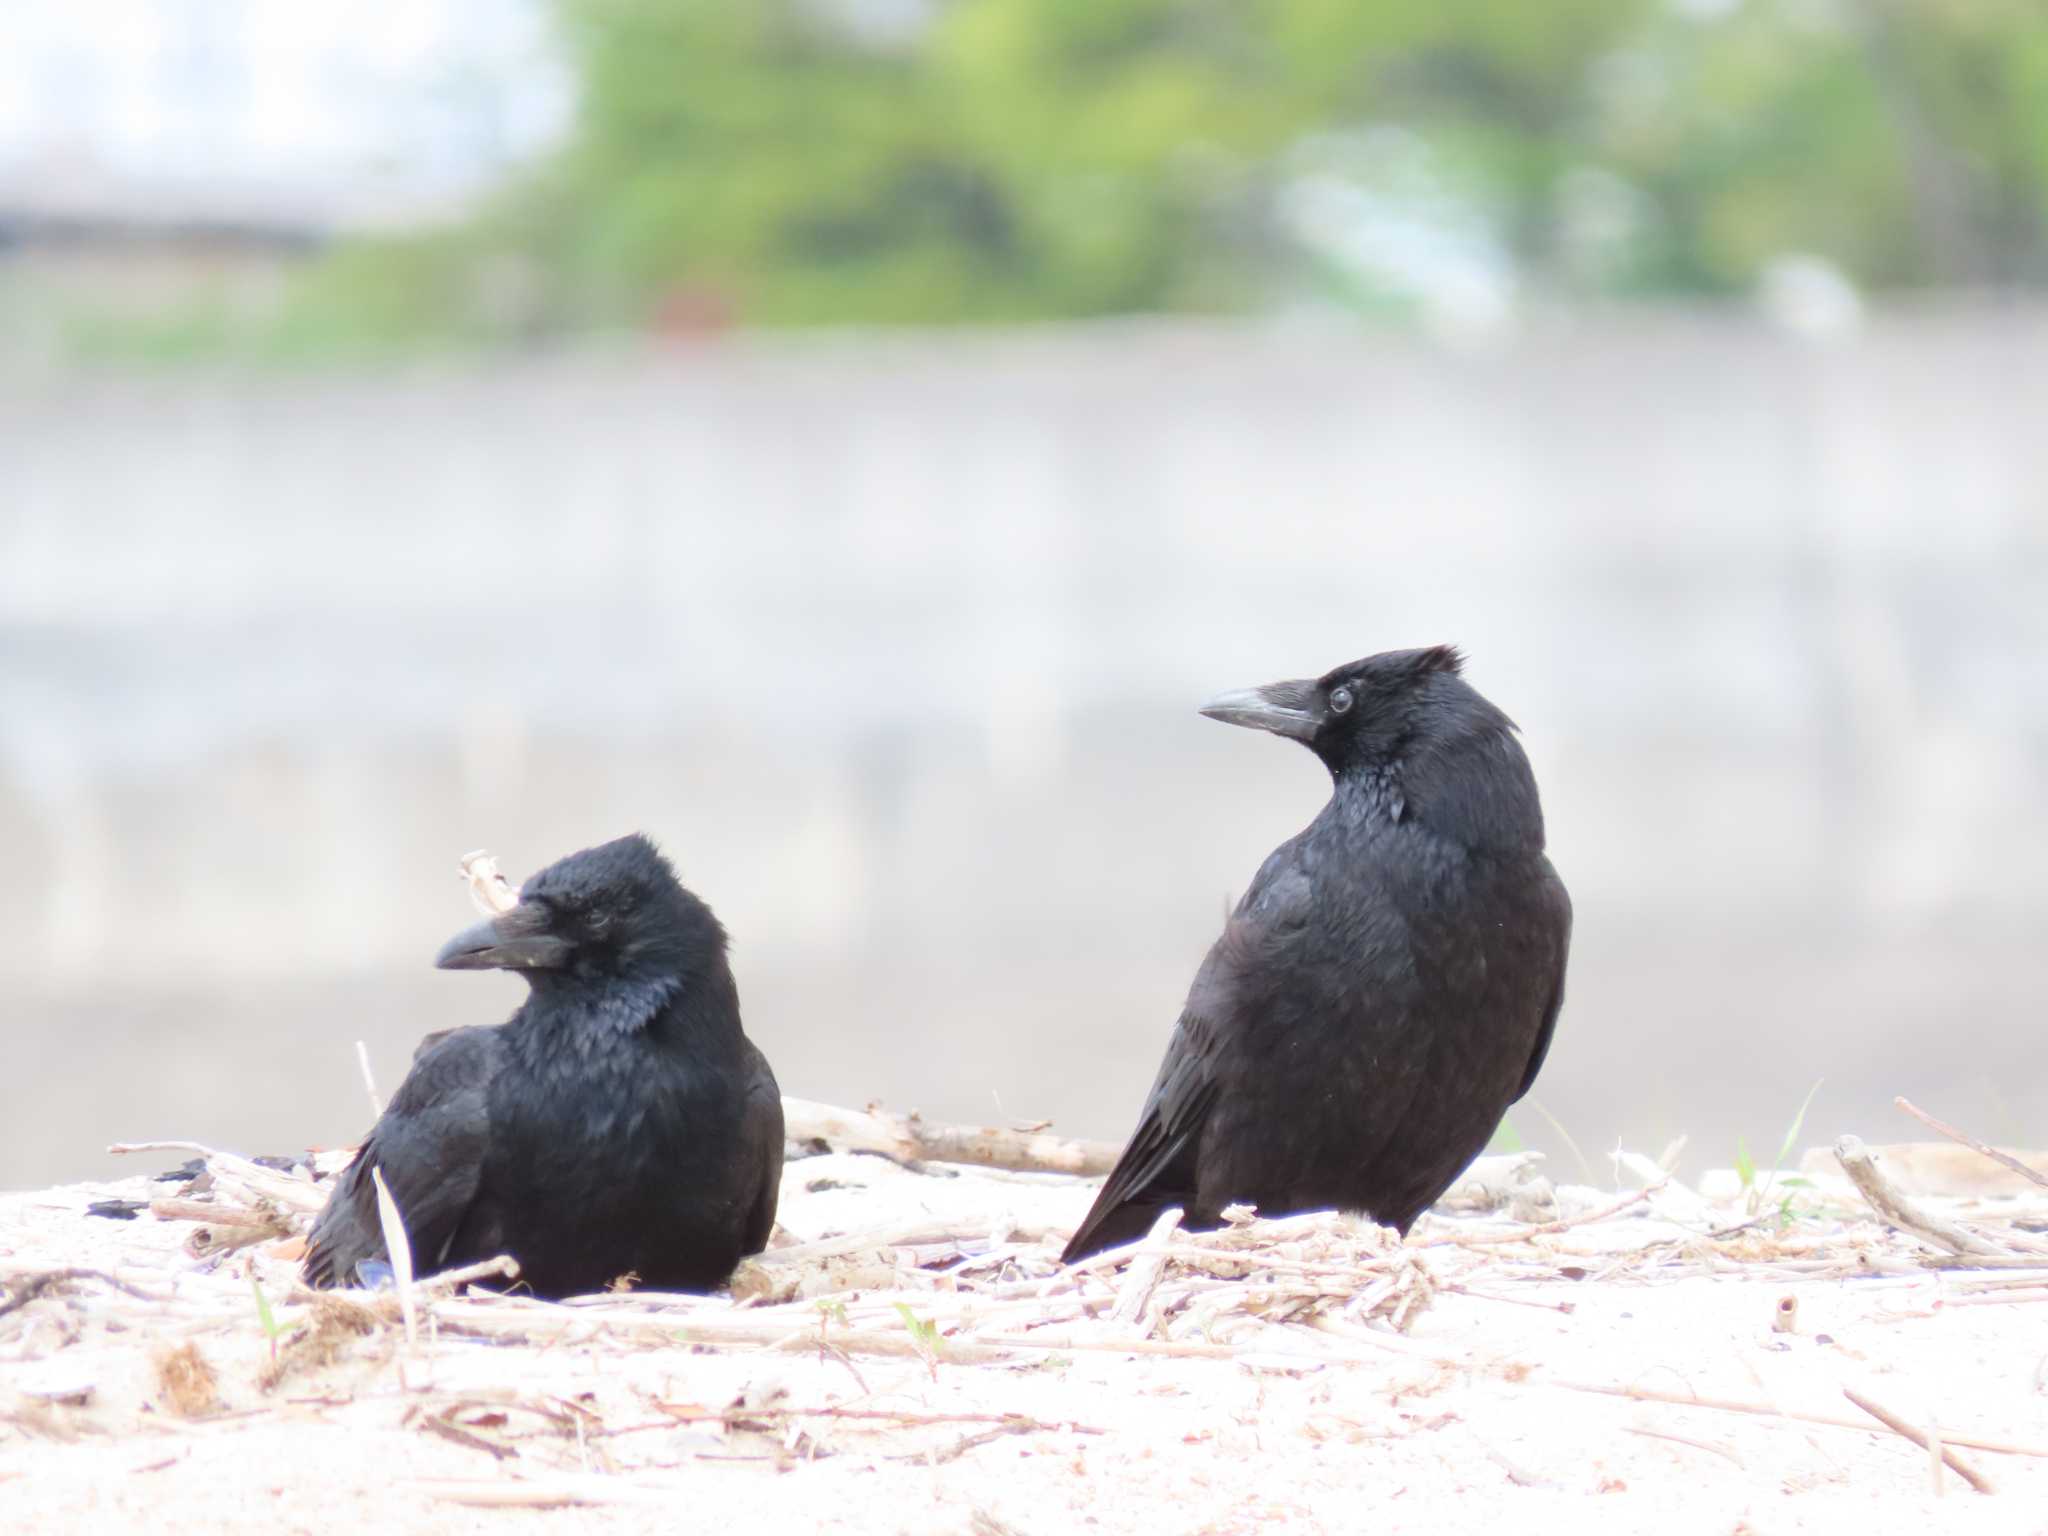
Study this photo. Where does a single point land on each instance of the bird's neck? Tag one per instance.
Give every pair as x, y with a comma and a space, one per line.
607, 1007
1367, 795
694, 1008
1475, 791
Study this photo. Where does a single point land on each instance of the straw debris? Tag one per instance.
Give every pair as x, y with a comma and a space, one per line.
921, 1330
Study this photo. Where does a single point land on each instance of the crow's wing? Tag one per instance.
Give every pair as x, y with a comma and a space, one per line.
428, 1042
1557, 917
430, 1142
1158, 1167
761, 1135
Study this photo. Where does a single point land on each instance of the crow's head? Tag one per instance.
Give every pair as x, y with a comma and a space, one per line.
614, 914
1368, 714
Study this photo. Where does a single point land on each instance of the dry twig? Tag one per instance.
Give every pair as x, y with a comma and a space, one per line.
1523, 1234
547, 1493
23, 1288
284, 1189
1727, 1452
2004, 1159
491, 891
910, 1139
1142, 1278
906, 1139
1885, 1199
1766, 1410
399, 1247
369, 1081
1899, 1426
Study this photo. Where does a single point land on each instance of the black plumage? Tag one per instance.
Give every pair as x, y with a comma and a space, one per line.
1389, 983
620, 1122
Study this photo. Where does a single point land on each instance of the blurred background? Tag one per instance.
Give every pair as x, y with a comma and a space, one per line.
848, 438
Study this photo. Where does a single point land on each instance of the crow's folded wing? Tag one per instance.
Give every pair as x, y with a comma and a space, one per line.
761, 1136
1557, 920
1157, 1168
430, 1143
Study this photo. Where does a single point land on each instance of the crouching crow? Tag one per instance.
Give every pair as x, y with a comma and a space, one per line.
1389, 983
620, 1123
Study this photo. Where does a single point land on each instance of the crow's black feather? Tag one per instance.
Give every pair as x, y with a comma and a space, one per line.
1387, 987
620, 1122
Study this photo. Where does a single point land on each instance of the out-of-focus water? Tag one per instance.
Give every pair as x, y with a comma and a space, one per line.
897, 645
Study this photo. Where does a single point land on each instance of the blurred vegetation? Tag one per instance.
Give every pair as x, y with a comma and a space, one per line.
792, 162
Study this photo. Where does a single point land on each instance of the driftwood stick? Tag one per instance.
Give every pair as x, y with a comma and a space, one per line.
369, 1081
1895, 1208
882, 1240
19, 1289
398, 1247
385, 1304
1768, 1411
491, 891
1518, 1474
504, 1267
213, 1214
1899, 1426
1522, 1234
1142, 1278
298, 1194
2004, 1159
689, 1414
1703, 1445
911, 1139
901, 1138
544, 1493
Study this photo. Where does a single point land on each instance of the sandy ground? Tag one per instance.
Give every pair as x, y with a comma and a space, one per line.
1230, 1406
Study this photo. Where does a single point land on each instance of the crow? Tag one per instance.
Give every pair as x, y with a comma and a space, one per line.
1387, 987
620, 1123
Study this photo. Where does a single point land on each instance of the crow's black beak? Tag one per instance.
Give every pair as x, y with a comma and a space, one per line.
517, 940
1285, 709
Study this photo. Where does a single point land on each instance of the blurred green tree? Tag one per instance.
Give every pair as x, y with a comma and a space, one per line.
886, 161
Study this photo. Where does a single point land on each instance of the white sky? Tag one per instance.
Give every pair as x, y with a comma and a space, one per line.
411, 97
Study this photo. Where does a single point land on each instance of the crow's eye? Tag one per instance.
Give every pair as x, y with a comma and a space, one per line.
1340, 700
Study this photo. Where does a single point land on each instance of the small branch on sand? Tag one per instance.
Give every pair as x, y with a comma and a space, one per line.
1770, 1411
213, 1213
909, 1139
2004, 1159
1519, 1475
292, 1193
1727, 1451
1884, 1198
21, 1289
544, 1493
1142, 1278
1899, 1426
1522, 1234
448, 1429
504, 1267
398, 1246
223, 1228
963, 1445
906, 1139
925, 1232
683, 1414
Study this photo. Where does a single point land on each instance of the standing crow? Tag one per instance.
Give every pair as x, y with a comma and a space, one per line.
620, 1122
1388, 985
